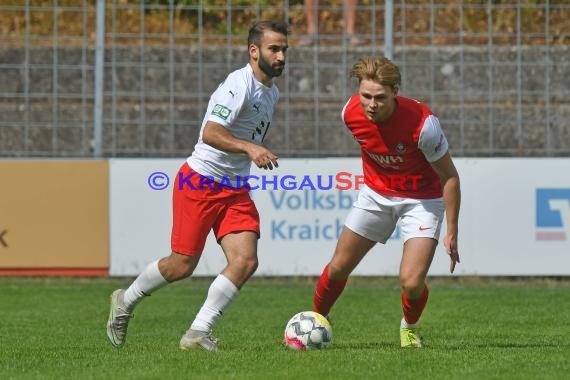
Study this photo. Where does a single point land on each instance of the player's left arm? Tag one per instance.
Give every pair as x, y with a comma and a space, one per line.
435, 147
449, 178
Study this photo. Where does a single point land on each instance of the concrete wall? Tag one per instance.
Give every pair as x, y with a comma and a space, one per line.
156, 111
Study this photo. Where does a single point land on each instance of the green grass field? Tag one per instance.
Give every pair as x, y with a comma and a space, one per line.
473, 329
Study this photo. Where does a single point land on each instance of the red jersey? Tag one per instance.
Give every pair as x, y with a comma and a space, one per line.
397, 152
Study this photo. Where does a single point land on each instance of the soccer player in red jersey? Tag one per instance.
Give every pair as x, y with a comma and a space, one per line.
409, 177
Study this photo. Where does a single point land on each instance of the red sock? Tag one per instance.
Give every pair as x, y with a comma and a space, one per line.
413, 308
327, 292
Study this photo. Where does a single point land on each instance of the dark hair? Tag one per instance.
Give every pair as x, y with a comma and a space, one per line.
257, 30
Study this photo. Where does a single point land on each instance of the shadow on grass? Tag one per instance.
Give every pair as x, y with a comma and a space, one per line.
364, 346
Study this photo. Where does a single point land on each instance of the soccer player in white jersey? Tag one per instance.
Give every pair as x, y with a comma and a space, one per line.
409, 176
209, 193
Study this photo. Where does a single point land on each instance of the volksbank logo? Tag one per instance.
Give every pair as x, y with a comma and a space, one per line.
316, 225
552, 214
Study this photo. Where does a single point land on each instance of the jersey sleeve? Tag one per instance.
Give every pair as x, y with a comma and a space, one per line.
432, 141
227, 101
343, 111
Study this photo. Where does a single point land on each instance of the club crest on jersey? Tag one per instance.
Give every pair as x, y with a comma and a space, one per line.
400, 148
221, 111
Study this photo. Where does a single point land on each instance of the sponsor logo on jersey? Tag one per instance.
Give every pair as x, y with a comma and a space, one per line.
221, 111
552, 214
387, 160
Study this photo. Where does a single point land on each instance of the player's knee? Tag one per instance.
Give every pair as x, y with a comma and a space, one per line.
177, 268
247, 265
252, 265
182, 271
185, 271
412, 287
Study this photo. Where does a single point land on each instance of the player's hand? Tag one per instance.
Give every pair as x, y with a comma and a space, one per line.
450, 243
268, 163
263, 158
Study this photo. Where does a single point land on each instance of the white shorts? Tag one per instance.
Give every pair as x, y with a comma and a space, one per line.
374, 216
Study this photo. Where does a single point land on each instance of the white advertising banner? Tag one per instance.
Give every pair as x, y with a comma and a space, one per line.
514, 220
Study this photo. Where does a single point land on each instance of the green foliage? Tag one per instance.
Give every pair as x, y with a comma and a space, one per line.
470, 22
55, 329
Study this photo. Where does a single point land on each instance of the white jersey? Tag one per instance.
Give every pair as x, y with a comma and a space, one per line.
245, 107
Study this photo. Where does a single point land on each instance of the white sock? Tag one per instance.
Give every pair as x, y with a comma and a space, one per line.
220, 295
147, 282
406, 325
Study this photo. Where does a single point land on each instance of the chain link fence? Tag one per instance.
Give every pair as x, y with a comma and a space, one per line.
497, 73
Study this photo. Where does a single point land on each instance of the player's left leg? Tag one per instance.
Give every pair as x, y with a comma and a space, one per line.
237, 233
370, 221
416, 260
420, 225
241, 252
192, 220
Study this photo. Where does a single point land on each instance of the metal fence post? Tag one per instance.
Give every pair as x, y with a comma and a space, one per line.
389, 29
99, 73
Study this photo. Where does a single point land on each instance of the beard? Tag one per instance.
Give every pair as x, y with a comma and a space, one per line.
268, 69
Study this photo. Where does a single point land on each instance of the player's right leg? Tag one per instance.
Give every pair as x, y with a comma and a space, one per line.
118, 321
156, 275
237, 233
369, 222
123, 302
191, 223
350, 249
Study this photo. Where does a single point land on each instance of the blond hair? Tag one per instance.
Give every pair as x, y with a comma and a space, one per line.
380, 70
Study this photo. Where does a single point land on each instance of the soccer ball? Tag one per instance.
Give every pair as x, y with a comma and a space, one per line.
308, 330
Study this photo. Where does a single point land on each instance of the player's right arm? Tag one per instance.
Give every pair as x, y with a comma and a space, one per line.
219, 137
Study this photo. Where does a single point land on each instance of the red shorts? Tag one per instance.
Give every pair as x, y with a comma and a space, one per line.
198, 206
